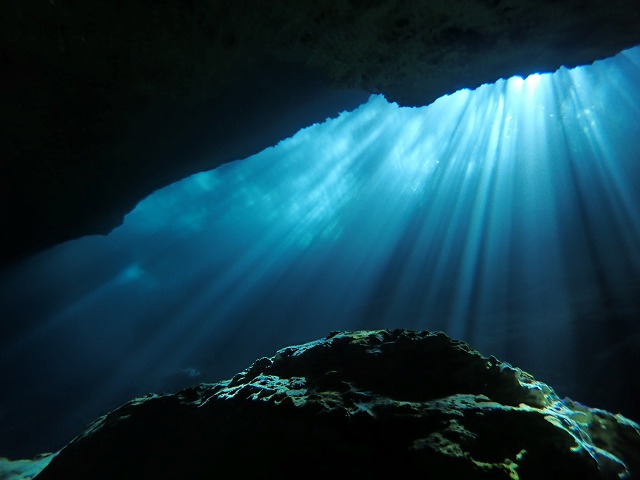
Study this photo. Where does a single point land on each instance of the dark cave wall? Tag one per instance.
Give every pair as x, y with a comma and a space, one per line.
105, 101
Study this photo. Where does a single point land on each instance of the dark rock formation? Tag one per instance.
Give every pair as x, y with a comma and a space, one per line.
368, 404
103, 102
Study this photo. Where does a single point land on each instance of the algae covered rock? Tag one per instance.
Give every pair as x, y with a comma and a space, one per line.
365, 404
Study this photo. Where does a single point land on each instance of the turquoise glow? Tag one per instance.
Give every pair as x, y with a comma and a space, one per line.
508, 216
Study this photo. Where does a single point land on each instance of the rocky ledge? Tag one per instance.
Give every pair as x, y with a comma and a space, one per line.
365, 404
104, 102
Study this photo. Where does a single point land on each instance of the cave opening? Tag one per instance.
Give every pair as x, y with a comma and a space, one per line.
507, 217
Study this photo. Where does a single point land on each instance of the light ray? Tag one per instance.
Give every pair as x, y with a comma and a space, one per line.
508, 216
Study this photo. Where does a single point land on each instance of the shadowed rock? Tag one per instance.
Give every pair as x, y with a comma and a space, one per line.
366, 404
105, 102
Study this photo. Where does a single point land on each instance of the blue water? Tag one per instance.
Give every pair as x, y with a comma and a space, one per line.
508, 217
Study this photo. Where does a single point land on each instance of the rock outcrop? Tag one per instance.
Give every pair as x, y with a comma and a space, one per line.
365, 404
104, 102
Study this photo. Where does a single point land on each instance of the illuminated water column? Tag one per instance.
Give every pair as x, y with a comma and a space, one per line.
508, 216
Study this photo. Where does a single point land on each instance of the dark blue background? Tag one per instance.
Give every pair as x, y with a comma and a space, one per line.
508, 217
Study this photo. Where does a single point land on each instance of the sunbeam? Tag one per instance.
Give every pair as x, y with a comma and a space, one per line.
508, 217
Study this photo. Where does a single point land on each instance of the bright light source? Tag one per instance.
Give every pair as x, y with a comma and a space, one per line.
533, 80
516, 82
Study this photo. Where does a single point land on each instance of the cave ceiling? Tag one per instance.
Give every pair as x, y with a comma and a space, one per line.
102, 102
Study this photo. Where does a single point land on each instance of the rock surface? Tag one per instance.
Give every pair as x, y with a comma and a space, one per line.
104, 102
23, 469
366, 404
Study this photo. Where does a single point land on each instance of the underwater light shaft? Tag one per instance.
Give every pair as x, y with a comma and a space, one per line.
508, 216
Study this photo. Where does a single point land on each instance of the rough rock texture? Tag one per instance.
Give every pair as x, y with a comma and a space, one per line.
367, 404
23, 469
103, 102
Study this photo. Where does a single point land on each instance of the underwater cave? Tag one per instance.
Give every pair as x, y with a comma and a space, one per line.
506, 216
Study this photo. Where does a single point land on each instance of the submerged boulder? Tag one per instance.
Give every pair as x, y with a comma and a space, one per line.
365, 404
